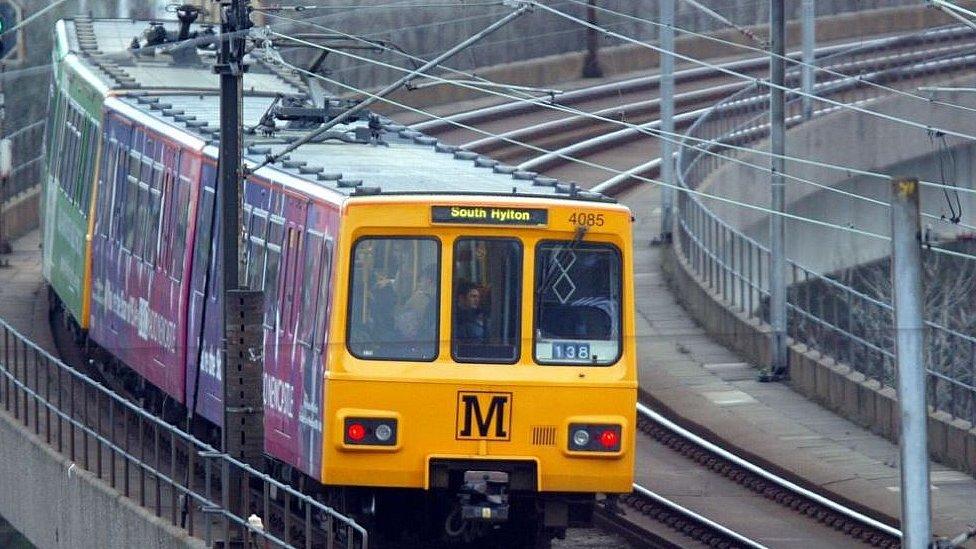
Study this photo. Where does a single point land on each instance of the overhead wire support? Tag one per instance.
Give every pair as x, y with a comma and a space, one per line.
520, 6
777, 227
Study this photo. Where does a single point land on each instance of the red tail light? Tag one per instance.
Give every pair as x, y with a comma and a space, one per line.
594, 437
609, 439
356, 432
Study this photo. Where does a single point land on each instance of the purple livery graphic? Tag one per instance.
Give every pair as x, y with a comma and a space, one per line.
159, 309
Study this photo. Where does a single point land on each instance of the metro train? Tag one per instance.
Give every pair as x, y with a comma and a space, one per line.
448, 342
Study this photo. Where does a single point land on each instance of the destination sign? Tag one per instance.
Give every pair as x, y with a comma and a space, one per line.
489, 215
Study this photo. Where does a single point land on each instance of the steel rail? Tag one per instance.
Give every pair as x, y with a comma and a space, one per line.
695, 517
681, 76
635, 131
486, 145
656, 417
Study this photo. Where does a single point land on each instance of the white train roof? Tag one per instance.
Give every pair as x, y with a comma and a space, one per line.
351, 160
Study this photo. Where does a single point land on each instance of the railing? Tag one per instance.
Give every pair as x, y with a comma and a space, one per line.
824, 313
27, 154
163, 469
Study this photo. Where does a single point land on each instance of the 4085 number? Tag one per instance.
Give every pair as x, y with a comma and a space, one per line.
586, 219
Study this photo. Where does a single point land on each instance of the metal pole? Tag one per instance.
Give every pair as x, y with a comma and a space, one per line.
591, 63
809, 43
906, 280
667, 118
230, 67
777, 230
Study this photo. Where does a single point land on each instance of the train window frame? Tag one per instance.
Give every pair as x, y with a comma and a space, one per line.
311, 279
181, 204
320, 330
518, 299
272, 267
110, 152
438, 255
257, 247
620, 309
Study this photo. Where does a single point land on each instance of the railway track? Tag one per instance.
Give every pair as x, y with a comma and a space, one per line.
651, 520
547, 141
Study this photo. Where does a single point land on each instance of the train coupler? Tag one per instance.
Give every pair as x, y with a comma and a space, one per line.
484, 496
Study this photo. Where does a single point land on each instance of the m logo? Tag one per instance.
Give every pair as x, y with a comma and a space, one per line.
484, 416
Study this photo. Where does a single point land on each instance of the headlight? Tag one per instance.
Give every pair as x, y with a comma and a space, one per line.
581, 437
383, 432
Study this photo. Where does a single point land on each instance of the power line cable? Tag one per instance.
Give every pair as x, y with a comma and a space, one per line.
826, 224
788, 59
758, 81
673, 137
573, 159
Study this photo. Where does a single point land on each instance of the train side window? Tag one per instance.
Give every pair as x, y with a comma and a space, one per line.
118, 197
181, 215
322, 306
486, 300
154, 219
106, 185
202, 240
578, 295
276, 229
271, 286
311, 280
91, 145
256, 249
130, 203
294, 242
394, 299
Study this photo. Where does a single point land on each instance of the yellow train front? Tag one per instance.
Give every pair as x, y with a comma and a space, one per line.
484, 381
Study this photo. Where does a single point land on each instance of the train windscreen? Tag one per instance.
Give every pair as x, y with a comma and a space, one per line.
393, 309
577, 303
487, 280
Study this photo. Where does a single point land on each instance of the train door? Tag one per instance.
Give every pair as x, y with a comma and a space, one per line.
316, 270
203, 338
282, 366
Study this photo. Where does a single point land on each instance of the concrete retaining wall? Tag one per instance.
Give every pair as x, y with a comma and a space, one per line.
19, 215
820, 378
57, 509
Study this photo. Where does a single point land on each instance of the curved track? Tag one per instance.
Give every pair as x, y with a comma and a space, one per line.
754, 507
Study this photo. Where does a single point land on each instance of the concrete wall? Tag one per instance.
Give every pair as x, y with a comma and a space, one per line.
428, 31
57, 509
863, 142
834, 385
858, 141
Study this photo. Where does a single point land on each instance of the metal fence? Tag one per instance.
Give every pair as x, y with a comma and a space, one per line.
28, 155
823, 312
163, 469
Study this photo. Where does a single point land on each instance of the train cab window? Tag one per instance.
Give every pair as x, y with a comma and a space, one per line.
486, 297
577, 303
394, 299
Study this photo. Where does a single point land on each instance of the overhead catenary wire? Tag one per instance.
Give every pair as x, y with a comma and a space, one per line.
737, 74
639, 128
788, 59
348, 113
678, 188
577, 160
644, 128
